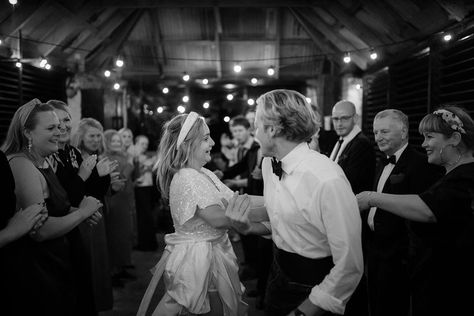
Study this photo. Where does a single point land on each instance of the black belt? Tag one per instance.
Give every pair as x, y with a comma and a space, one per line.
301, 269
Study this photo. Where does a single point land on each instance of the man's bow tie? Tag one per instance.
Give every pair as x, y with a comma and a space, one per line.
276, 166
392, 159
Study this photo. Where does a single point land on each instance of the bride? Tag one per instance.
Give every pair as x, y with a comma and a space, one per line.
198, 265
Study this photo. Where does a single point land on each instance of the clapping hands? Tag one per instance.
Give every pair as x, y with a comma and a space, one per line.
87, 166
237, 212
105, 166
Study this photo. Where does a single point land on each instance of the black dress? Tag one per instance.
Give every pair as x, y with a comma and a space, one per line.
39, 276
443, 266
93, 238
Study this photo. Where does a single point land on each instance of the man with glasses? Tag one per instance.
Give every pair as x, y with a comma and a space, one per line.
356, 156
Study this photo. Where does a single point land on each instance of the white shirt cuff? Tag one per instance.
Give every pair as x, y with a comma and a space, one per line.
326, 301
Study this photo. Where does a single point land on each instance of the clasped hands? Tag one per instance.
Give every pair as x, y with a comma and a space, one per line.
237, 211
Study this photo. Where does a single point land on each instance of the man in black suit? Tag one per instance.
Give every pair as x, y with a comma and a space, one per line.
353, 151
402, 170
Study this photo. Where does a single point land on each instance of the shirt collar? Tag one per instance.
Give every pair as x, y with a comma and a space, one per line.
355, 130
399, 152
294, 157
248, 143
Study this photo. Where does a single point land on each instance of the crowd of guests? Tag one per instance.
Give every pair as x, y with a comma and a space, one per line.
343, 231
70, 220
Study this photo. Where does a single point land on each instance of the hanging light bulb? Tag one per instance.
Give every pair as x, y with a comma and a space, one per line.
116, 86
347, 58
250, 101
373, 55
18, 64
13, 2
181, 109
230, 97
185, 99
1, 41
226, 119
205, 81
237, 68
165, 90
254, 80
43, 62
159, 110
186, 77
107, 73
119, 62
205, 105
271, 71
47, 66
447, 37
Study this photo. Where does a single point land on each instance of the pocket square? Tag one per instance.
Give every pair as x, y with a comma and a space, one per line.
396, 178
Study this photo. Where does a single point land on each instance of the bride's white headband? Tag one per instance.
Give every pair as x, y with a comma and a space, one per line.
188, 123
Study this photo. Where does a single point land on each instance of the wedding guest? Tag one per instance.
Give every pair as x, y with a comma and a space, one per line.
89, 140
443, 256
199, 265
40, 264
403, 170
146, 196
315, 225
119, 202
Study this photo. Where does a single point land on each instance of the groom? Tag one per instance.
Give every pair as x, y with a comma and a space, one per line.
312, 212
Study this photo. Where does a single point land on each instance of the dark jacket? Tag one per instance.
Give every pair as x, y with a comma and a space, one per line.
358, 162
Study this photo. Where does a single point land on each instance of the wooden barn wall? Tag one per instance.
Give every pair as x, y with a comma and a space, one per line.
417, 85
35, 83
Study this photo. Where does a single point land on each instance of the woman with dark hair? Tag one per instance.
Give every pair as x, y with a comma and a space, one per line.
441, 218
38, 270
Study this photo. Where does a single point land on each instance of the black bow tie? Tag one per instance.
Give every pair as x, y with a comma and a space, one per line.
276, 166
392, 159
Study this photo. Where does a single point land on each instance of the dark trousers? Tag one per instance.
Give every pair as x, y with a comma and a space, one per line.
291, 279
146, 228
264, 263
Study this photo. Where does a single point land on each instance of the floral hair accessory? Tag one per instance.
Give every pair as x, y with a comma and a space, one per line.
452, 119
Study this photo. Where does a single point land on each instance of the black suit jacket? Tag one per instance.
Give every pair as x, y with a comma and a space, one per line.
412, 174
358, 162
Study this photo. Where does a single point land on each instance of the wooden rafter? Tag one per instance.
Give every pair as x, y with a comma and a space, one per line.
157, 39
207, 3
217, 39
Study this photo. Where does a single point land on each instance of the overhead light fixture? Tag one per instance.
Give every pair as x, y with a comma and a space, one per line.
205, 81
186, 77
230, 97
250, 101
43, 62
373, 55
237, 68
107, 73
181, 109
226, 119
447, 37
205, 105
185, 99
47, 66
347, 58
254, 80
271, 71
119, 62
18, 64
116, 86
159, 110
165, 90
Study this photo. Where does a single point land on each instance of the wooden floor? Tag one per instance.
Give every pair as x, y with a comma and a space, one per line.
127, 299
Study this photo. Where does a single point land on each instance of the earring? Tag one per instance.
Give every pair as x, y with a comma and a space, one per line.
30, 145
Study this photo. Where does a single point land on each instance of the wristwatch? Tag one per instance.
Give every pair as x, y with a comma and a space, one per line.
297, 312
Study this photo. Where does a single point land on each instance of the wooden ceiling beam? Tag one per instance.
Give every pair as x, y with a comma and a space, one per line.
335, 38
217, 35
206, 3
277, 41
456, 9
157, 39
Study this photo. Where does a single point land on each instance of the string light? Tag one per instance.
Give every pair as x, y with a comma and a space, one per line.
186, 77
237, 68
165, 90
18, 64
43, 62
181, 109
13, 2
254, 81
250, 102
373, 55
205, 81
447, 37
347, 58
116, 86
159, 110
230, 97
205, 105
226, 119
47, 66
119, 62
186, 99
271, 71
107, 73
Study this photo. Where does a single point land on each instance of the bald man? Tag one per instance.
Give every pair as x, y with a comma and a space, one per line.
356, 156
353, 151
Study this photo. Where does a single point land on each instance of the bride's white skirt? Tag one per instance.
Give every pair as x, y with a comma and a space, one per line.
192, 267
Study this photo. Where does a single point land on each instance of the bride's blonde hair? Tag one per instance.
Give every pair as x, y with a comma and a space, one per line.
170, 158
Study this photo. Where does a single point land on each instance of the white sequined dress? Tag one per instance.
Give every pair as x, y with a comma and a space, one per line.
201, 257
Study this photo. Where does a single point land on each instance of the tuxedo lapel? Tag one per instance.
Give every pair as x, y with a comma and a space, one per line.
399, 169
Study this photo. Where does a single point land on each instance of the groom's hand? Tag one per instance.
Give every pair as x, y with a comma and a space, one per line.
237, 212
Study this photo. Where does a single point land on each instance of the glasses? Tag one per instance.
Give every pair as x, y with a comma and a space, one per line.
343, 119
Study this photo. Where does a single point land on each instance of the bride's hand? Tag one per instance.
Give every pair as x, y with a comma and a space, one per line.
237, 211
